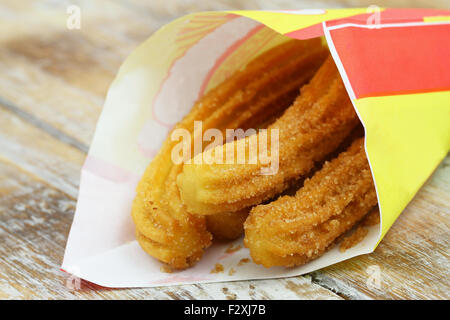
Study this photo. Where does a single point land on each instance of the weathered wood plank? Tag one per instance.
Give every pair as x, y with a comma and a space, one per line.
37, 152
36, 212
171, 8
60, 76
34, 224
55, 79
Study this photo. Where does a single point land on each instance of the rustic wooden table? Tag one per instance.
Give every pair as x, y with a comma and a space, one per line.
52, 85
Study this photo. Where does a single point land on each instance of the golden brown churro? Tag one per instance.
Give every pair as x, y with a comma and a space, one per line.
250, 97
227, 225
296, 229
311, 128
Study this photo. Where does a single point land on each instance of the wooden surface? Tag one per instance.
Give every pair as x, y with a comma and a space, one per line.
52, 85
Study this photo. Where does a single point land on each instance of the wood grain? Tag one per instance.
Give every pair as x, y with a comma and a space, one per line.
38, 187
52, 86
35, 221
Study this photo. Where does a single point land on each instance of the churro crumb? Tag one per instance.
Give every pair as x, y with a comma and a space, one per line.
218, 268
231, 272
353, 239
243, 261
233, 248
165, 268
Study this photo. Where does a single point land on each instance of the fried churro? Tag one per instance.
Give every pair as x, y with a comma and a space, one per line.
361, 230
227, 225
266, 86
311, 128
296, 229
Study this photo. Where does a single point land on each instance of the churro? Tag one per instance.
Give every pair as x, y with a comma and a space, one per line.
296, 229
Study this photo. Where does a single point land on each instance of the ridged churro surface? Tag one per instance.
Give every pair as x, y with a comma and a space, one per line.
252, 96
310, 129
227, 225
296, 229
